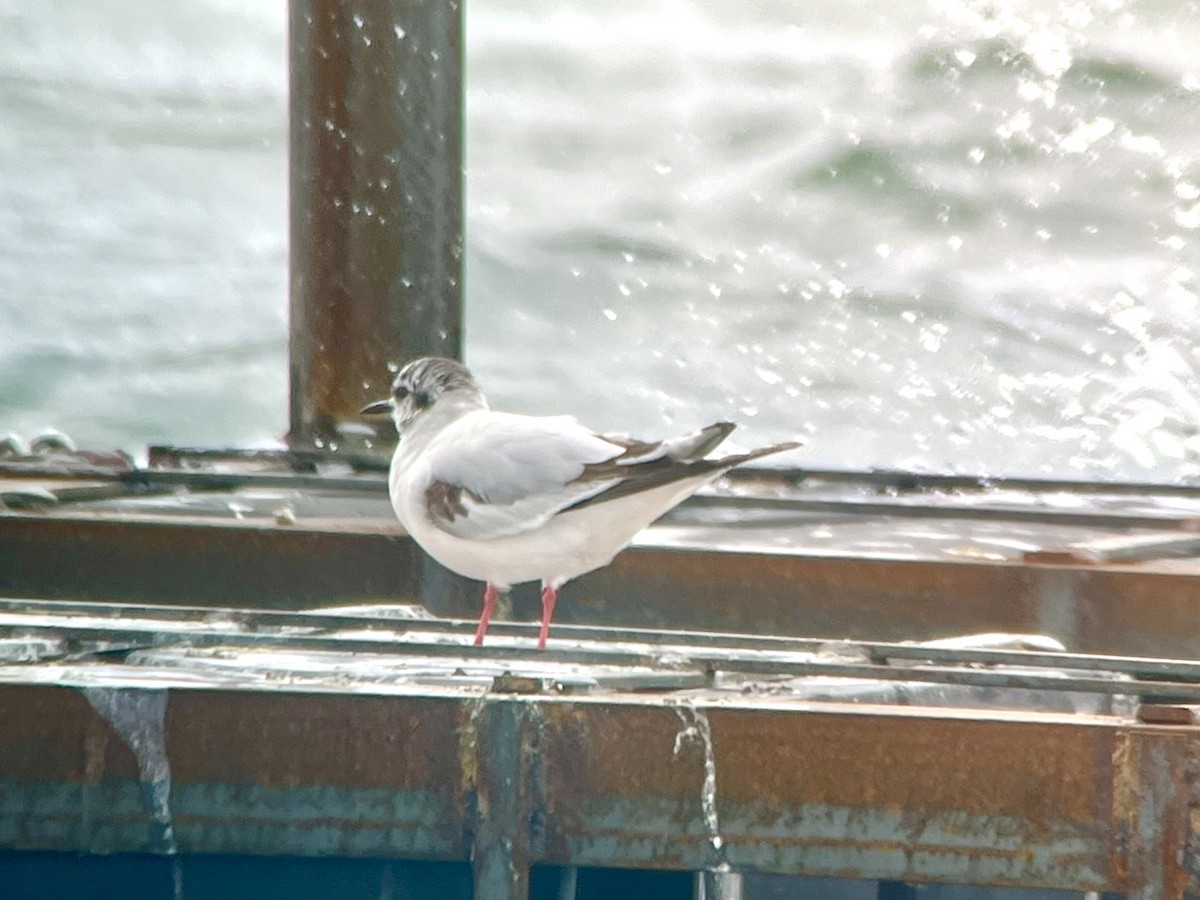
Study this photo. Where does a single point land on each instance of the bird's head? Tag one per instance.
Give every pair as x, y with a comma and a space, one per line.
423, 385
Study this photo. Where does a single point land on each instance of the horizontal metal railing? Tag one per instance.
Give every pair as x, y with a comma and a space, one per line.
701, 655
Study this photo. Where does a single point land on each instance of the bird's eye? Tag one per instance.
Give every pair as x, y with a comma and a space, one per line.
399, 392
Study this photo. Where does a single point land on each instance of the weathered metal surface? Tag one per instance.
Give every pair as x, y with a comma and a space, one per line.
248, 773
1150, 805
835, 794
716, 780
197, 561
388, 626
247, 533
376, 199
1144, 611
981, 798
506, 767
1151, 609
901, 480
403, 644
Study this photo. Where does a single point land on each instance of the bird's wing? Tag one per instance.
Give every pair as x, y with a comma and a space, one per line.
688, 448
494, 474
663, 470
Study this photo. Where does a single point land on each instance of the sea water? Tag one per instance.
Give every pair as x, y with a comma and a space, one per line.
944, 234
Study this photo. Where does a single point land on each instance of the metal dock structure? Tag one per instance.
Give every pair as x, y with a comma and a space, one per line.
216, 658
192, 732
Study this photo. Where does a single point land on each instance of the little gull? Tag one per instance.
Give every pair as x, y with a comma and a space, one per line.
506, 498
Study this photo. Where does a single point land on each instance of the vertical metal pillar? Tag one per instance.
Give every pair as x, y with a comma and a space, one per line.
506, 772
375, 199
1153, 801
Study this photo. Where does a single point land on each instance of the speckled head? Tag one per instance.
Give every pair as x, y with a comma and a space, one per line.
422, 383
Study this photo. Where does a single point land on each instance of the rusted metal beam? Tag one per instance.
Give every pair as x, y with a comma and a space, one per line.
1148, 610
376, 199
202, 561
966, 797
1136, 610
387, 627
314, 644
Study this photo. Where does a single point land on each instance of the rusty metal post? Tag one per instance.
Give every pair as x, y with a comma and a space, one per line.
505, 769
1153, 808
376, 199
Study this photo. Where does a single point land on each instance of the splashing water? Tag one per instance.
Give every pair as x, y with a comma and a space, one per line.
698, 729
139, 717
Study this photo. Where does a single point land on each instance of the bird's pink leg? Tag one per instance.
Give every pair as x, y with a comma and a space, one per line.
549, 598
489, 604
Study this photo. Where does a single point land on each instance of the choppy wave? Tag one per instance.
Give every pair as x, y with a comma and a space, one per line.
940, 233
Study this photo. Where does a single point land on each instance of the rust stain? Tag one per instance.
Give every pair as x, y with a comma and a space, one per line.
800, 594
1154, 812
53, 734
467, 780
1122, 610
1165, 776
1125, 799
214, 562
288, 740
1040, 772
1135, 611
617, 751
1191, 775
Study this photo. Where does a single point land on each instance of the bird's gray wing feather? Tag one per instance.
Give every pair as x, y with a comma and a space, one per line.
499, 474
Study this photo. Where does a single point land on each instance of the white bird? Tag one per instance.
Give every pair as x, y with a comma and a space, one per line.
506, 498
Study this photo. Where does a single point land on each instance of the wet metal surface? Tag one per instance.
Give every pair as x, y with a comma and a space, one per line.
311, 739
405, 645
837, 791
343, 732
247, 529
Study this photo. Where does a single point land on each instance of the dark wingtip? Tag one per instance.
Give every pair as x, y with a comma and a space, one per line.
731, 461
779, 448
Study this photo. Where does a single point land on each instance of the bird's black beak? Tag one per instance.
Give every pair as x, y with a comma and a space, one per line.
378, 408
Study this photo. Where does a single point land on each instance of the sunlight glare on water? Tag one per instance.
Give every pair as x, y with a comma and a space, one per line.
945, 234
